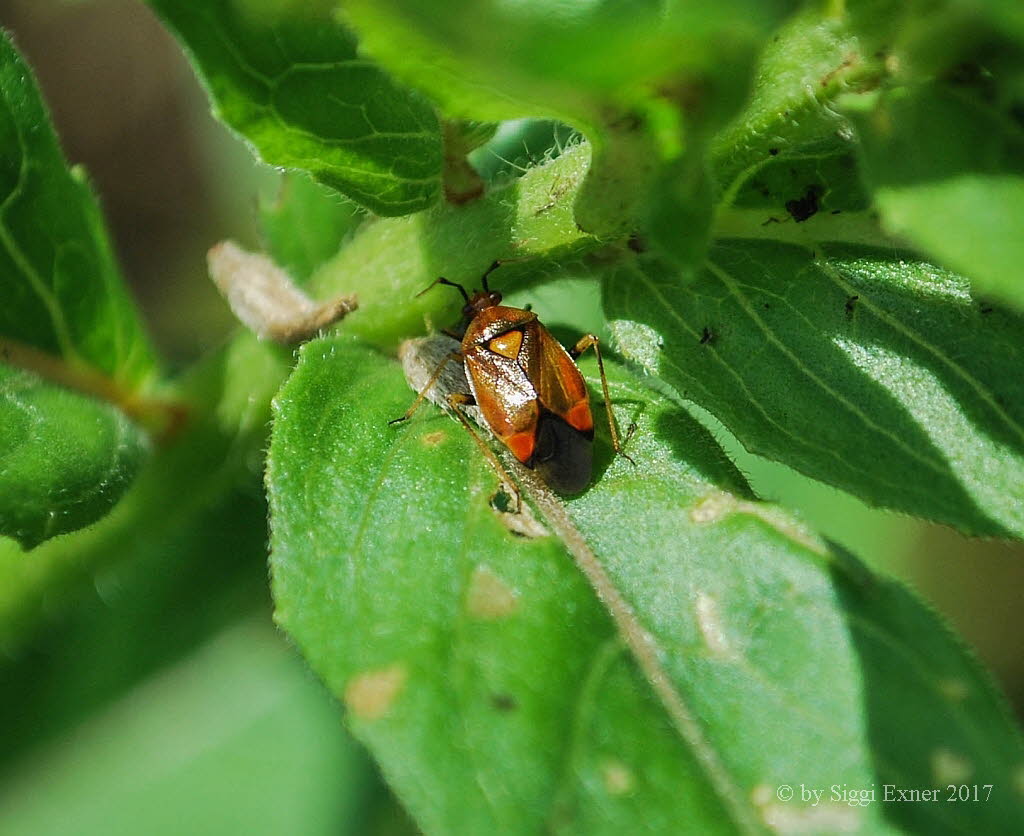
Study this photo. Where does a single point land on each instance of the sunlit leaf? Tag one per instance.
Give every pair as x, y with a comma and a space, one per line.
879, 375
493, 687
288, 78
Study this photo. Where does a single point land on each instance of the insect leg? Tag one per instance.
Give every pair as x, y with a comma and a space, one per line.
590, 341
423, 393
456, 402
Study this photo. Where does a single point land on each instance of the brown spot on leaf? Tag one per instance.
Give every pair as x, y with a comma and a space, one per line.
802, 208
504, 702
617, 777
949, 767
489, 597
370, 694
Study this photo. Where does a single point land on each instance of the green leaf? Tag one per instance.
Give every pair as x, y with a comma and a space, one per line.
788, 154
61, 289
237, 734
678, 214
124, 607
389, 262
180, 503
880, 376
788, 137
495, 61
303, 224
922, 38
938, 730
65, 459
947, 169
496, 691
627, 75
288, 78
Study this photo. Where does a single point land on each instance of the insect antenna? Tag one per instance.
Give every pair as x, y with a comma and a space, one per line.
483, 279
444, 281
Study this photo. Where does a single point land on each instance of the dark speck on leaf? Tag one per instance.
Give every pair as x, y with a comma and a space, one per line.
629, 121
504, 702
636, 244
502, 502
804, 207
707, 336
851, 306
836, 211
773, 151
987, 309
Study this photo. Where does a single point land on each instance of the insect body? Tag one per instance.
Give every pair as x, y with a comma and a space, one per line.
531, 394
528, 389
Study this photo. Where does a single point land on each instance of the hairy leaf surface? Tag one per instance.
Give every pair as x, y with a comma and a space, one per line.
492, 685
787, 137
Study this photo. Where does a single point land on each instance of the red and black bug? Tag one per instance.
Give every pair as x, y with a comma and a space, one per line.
527, 388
